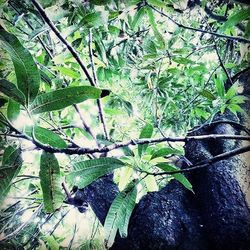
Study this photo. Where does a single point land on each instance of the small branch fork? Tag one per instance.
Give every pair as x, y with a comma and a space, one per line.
205, 163
105, 149
64, 41
234, 38
92, 81
99, 104
221, 62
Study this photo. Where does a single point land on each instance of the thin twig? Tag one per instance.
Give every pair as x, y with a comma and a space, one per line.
221, 19
235, 38
22, 226
66, 190
82, 151
64, 41
58, 223
74, 54
222, 64
28, 23
232, 123
73, 237
99, 104
205, 163
84, 124
205, 85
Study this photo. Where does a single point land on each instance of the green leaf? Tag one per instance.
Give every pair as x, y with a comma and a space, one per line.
129, 203
138, 18
11, 165
241, 15
51, 241
239, 99
100, 74
27, 74
151, 184
182, 60
165, 151
234, 108
46, 136
85, 172
50, 179
232, 91
153, 24
229, 65
208, 94
220, 87
10, 90
119, 214
68, 72
95, 19
179, 177
146, 132
156, 3
113, 30
63, 98
125, 175
13, 110
128, 106
247, 31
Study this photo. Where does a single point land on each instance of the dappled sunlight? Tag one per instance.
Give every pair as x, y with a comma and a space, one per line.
123, 124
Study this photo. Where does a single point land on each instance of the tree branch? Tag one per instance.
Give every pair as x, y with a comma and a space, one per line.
31, 27
92, 81
235, 38
64, 41
220, 19
232, 123
82, 151
205, 163
99, 104
221, 63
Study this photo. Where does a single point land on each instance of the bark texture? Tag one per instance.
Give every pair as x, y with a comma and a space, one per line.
216, 216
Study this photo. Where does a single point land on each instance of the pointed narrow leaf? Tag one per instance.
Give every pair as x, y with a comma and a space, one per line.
85, 172
179, 177
232, 91
63, 98
10, 90
130, 204
165, 151
146, 132
119, 214
50, 182
241, 15
13, 110
11, 165
27, 74
46, 136
158, 35
208, 94
220, 87
138, 18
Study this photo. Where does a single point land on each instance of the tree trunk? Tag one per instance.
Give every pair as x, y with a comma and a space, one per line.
216, 216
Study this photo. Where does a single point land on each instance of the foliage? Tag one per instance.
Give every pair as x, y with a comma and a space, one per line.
151, 75
50, 182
